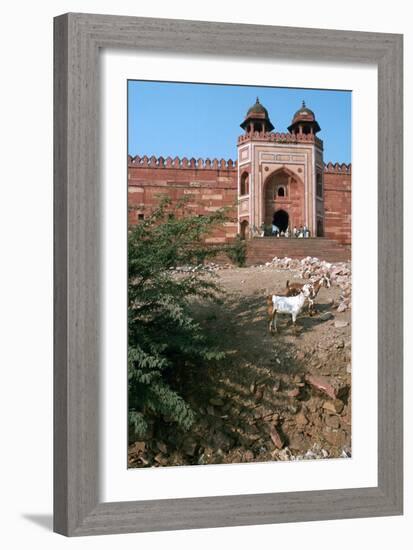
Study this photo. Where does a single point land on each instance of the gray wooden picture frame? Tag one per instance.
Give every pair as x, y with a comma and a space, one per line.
78, 40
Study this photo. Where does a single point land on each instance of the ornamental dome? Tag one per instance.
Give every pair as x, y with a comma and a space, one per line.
257, 108
257, 119
304, 114
304, 121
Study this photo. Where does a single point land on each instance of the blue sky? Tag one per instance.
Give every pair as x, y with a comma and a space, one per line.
202, 120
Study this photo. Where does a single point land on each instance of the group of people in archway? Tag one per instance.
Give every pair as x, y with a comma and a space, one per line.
299, 233
280, 226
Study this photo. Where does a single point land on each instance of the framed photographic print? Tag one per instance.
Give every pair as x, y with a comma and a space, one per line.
228, 264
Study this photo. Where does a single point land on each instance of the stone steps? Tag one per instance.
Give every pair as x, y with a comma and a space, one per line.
262, 250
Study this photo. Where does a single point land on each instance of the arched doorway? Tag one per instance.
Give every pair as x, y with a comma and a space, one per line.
284, 191
244, 230
280, 218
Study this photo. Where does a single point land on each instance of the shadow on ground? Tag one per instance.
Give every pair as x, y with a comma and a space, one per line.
43, 520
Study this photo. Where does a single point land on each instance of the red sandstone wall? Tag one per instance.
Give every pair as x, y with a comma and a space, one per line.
210, 186
213, 184
337, 203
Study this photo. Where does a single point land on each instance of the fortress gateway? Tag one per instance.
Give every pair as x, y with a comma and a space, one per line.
278, 178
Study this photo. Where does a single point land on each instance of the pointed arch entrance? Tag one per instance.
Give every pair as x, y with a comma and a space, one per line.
280, 218
283, 200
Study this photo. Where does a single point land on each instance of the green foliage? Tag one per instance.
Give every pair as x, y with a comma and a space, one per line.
238, 251
163, 336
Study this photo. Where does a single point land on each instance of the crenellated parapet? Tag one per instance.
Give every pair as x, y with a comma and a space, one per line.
281, 137
337, 168
181, 163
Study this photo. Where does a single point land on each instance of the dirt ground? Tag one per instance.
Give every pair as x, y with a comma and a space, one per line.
277, 397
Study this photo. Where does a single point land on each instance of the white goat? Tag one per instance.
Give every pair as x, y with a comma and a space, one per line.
294, 288
291, 305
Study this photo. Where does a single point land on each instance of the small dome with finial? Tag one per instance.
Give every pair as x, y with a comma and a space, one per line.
257, 108
305, 118
304, 114
257, 119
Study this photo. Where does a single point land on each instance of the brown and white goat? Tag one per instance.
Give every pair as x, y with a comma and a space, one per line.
295, 288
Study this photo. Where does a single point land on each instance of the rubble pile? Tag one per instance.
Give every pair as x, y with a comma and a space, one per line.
303, 417
207, 267
340, 274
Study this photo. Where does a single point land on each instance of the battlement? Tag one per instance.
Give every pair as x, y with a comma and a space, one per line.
281, 137
181, 163
218, 164
337, 168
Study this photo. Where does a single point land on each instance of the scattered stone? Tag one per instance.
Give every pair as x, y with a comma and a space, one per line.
222, 441
276, 386
314, 404
326, 316
235, 411
162, 447
138, 447
336, 438
298, 442
301, 419
295, 392
340, 324
334, 388
324, 345
259, 393
310, 455
217, 402
251, 431
160, 459
203, 459
322, 384
332, 421
189, 447
271, 417
335, 406
342, 307
248, 456
276, 437
284, 454
346, 453
346, 419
